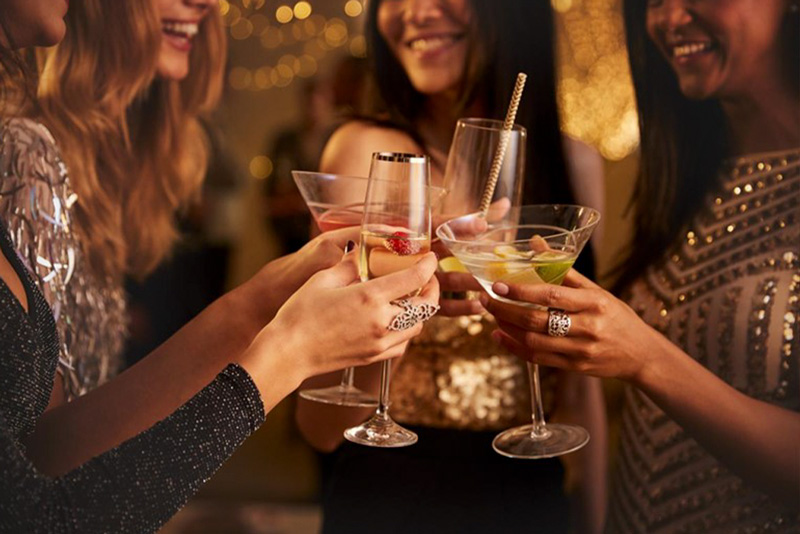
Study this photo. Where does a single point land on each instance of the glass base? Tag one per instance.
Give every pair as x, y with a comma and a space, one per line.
340, 395
380, 431
557, 440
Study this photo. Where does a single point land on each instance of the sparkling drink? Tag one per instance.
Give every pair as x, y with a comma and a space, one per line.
383, 253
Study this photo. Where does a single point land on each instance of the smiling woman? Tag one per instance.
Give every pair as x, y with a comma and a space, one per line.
180, 23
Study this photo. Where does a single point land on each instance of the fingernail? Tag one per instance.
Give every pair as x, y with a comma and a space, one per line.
500, 288
349, 246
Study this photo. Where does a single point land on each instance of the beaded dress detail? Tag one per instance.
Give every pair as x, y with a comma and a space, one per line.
729, 296
36, 204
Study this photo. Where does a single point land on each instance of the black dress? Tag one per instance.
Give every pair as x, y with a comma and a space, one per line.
135, 487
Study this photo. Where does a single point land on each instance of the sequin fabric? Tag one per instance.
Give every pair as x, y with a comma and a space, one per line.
454, 375
133, 488
36, 204
728, 296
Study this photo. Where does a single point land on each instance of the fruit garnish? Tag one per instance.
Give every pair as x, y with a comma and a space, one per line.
495, 270
507, 251
451, 264
525, 276
554, 273
400, 244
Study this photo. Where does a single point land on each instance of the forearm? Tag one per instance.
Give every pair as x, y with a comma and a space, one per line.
754, 439
581, 402
148, 392
323, 425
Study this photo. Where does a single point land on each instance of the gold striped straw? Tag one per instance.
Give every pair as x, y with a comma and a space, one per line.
505, 135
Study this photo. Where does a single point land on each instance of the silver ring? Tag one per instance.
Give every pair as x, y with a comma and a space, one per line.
411, 314
558, 322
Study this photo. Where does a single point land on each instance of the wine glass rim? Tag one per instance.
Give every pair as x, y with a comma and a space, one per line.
488, 124
595, 214
333, 175
400, 157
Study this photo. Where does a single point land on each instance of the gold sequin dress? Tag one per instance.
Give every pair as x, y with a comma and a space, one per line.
729, 296
36, 203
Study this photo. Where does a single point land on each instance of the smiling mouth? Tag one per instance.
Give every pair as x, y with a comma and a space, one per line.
184, 30
429, 44
687, 50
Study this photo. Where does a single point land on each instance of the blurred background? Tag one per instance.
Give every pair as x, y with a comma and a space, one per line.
294, 70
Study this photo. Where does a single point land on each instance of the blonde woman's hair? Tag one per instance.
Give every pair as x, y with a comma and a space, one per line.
133, 143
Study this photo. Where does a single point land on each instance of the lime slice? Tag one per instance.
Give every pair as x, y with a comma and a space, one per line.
554, 272
451, 264
525, 276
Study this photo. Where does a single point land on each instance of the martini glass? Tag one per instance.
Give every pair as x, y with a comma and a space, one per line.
335, 201
538, 249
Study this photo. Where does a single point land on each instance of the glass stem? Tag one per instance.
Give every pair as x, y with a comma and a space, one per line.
538, 428
383, 401
347, 378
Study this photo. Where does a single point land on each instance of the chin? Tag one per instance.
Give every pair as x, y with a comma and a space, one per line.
52, 36
173, 72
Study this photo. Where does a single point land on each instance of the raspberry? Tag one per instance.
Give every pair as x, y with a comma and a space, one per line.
401, 245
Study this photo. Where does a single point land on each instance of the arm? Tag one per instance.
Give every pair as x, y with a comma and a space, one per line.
71, 433
608, 339
587, 180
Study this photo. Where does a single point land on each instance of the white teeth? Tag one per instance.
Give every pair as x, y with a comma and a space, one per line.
187, 29
687, 49
430, 43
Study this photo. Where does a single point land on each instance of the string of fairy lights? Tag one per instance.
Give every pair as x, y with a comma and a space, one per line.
595, 93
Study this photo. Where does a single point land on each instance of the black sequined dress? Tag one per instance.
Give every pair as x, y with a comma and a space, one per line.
135, 487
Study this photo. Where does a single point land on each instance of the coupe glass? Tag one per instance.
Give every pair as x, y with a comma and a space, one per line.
395, 234
538, 249
335, 201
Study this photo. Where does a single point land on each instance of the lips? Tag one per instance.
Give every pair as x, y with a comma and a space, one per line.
179, 33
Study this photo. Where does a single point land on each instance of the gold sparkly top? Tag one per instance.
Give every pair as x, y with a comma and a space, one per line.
454, 375
36, 203
729, 296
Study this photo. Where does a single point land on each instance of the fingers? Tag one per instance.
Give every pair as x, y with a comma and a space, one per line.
546, 349
546, 295
540, 357
459, 307
498, 209
576, 279
536, 319
342, 236
397, 285
342, 274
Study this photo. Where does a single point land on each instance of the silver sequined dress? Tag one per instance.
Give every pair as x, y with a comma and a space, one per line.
729, 296
36, 204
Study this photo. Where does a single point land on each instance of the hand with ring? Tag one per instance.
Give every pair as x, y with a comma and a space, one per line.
578, 327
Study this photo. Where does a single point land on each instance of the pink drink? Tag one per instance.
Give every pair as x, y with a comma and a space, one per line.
336, 219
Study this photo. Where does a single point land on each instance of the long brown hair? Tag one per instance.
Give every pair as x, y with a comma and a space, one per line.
505, 38
132, 141
682, 148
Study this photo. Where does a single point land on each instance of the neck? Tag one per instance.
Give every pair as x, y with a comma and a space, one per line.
763, 124
438, 121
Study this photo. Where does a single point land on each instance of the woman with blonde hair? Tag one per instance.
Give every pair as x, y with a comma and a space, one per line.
126, 456
121, 94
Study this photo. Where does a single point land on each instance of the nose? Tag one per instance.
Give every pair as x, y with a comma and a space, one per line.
421, 12
671, 15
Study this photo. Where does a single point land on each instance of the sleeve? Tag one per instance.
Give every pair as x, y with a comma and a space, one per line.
139, 485
36, 203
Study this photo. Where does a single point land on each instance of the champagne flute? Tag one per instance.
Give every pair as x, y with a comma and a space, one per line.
395, 234
539, 248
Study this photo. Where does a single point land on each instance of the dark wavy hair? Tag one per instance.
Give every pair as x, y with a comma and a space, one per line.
683, 144
506, 38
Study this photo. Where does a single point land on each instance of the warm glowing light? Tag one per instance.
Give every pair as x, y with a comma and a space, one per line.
262, 78
242, 29
308, 66
562, 6
261, 167
239, 78
302, 10
260, 23
353, 8
335, 33
284, 14
271, 38
224, 6
231, 15
358, 46
290, 61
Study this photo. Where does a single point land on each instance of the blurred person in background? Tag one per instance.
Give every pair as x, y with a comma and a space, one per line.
435, 61
706, 332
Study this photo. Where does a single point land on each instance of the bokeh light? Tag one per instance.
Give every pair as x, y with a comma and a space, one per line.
353, 8
284, 14
261, 167
302, 10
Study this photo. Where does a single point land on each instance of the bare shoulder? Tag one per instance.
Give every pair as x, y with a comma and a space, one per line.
350, 148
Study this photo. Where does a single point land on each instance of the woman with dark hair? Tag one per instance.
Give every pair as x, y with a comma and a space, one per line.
139, 446
711, 424
435, 61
